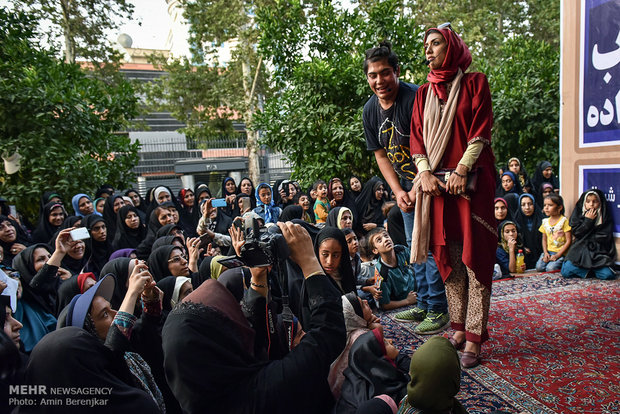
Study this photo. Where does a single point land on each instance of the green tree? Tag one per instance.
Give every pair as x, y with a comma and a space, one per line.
244, 78
317, 49
526, 93
62, 122
192, 94
486, 24
82, 25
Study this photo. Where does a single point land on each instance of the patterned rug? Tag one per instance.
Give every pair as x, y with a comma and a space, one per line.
554, 347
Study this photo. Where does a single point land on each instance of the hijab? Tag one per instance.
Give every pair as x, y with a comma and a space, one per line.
171, 286
435, 377
503, 243
539, 179
97, 252
271, 211
45, 230
508, 211
252, 194
158, 261
88, 365
208, 350
71, 287
158, 190
335, 215
457, 57
354, 194
119, 269
142, 206
370, 373
188, 215
122, 253
20, 237
368, 205
522, 176
516, 188
347, 201
528, 229
166, 230
201, 188
166, 241
345, 272
126, 237
291, 212
593, 240
110, 216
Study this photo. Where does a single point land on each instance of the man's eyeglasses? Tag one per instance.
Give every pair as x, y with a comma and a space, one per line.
177, 259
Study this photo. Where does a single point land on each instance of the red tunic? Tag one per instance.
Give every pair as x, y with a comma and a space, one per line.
455, 218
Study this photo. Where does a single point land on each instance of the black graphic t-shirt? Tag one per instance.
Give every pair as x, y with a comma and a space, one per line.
389, 129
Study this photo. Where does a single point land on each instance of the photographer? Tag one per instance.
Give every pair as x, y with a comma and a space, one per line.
209, 347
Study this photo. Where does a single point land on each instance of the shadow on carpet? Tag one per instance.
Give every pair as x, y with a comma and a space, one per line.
554, 347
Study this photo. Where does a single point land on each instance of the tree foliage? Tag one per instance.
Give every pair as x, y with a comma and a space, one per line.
192, 94
317, 49
82, 25
526, 100
61, 121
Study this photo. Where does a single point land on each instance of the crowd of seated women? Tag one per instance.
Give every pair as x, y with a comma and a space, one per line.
146, 305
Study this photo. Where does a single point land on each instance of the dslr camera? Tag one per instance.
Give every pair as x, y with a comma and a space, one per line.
263, 246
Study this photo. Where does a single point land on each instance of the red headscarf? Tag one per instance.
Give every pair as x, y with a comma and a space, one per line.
457, 57
81, 279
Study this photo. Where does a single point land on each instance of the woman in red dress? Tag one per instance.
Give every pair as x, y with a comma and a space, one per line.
451, 139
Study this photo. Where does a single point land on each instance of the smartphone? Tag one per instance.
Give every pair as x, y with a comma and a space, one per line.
79, 234
231, 262
245, 204
218, 202
13, 211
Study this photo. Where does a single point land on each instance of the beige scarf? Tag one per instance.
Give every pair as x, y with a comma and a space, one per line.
436, 132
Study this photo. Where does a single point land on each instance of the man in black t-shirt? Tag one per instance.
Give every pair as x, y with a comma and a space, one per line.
387, 125
387, 120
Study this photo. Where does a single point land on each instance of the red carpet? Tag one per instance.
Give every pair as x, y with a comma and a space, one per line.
554, 348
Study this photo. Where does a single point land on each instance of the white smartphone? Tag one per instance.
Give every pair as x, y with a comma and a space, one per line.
79, 234
13, 211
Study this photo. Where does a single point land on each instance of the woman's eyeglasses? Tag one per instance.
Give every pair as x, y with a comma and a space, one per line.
177, 259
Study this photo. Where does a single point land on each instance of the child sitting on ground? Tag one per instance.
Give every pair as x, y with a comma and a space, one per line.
366, 278
593, 250
556, 235
394, 278
507, 248
321, 205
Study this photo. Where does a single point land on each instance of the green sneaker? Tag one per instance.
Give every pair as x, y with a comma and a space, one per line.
411, 315
434, 323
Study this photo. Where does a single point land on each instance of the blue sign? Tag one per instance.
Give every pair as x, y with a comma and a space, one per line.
600, 75
606, 179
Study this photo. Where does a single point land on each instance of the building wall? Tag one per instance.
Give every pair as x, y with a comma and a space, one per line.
590, 87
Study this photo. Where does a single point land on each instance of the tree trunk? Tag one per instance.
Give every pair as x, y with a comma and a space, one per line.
252, 136
66, 28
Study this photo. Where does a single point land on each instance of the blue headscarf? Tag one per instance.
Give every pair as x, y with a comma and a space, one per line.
271, 211
75, 201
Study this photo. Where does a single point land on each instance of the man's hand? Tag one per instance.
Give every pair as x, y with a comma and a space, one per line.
300, 245
404, 201
369, 226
